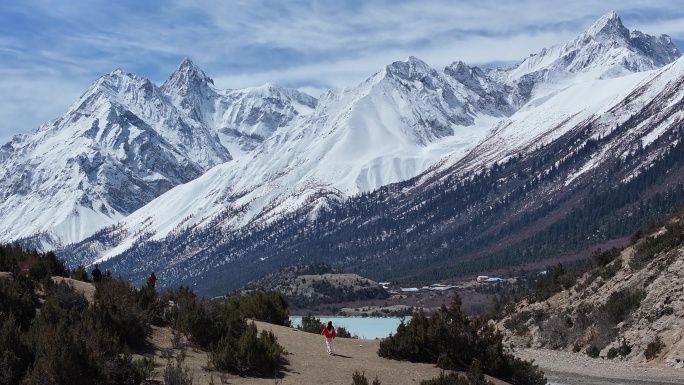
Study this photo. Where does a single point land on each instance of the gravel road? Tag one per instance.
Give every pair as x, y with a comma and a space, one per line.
565, 368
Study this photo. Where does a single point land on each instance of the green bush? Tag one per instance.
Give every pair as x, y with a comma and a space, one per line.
653, 348
71, 347
593, 351
620, 304
624, 349
17, 297
518, 322
80, 274
117, 309
603, 258
15, 354
254, 353
651, 246
68, 341
221, 328
449, 339
175, 373
271, 307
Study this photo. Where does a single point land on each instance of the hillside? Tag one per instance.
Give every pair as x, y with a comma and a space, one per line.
311, 288
627, 308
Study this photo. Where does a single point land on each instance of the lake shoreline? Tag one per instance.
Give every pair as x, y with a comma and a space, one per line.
361, 327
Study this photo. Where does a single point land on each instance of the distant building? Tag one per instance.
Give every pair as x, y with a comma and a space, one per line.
409, 289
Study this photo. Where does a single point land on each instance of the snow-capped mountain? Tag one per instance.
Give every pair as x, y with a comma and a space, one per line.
125, 142
388, 129
606, 50
243, 118
267, 154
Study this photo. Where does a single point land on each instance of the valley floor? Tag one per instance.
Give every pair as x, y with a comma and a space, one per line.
309, 364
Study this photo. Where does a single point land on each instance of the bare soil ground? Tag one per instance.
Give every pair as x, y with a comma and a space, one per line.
308, 362
572, 368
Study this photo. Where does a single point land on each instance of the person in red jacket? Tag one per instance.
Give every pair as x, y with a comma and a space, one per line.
329, 333
151, 280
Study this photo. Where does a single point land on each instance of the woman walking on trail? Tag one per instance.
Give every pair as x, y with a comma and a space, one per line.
329, 333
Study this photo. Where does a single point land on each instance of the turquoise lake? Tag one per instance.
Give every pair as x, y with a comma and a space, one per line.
368, 328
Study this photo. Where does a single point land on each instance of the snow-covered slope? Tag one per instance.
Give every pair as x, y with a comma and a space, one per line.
244, 117
387, 129
403, 120
123, 143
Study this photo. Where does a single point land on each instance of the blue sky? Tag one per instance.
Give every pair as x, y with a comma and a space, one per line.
51, 51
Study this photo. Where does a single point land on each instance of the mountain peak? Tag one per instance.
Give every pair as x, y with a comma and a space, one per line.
187, 66
609, 24
411, 68
188, 75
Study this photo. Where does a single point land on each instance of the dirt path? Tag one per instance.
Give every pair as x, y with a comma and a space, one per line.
308, 361
573, 369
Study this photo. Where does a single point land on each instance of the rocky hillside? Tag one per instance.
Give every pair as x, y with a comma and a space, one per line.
628, 307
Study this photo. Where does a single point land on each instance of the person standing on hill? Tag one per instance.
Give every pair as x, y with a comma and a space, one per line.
151, 280
329, 333
97, 274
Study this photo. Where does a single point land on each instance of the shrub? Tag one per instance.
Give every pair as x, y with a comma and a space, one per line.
15, 354
72, 348
311, 324
142, 368
359, 378
67, 297
593, 351
66, 342
17, 297
621, 303
221, 328
653, 348
271, 308
152, 305
518, 322
603, 258
80, 274
555, 333
251, 353
624, 349
116, 308
667, 310
175, 373
451, 340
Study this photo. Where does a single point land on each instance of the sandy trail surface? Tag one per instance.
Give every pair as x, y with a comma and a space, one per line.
308, 362
576, 369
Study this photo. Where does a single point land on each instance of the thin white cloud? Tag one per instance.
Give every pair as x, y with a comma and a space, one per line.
59, 48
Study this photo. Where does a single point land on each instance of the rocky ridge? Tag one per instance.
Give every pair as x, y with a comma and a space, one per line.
652, 326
